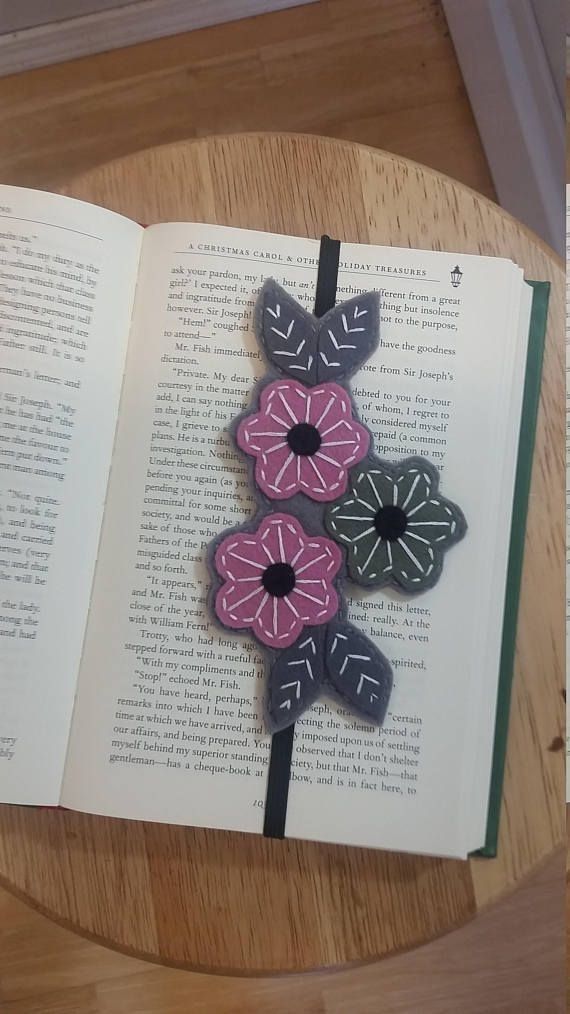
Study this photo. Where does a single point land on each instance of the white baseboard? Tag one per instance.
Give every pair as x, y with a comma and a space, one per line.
32, 13
118, 26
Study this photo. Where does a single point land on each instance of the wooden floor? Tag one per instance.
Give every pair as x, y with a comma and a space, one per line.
382, 72
509, 961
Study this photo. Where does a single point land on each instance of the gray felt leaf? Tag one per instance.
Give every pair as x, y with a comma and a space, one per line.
358, 671
347, 336
296, 678
287, 332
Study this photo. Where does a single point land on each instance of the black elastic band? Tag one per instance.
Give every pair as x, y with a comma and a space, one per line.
327, 277
282, 743
278, 783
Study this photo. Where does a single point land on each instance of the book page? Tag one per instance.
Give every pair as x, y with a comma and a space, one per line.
168, 724
421, 783
67, 282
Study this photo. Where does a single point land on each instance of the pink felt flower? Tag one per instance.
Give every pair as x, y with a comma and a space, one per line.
304, 440
277, 580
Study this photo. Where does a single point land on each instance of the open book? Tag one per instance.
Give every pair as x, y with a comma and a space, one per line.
125, 352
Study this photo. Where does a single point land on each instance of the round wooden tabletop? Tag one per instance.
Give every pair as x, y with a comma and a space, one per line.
223, 901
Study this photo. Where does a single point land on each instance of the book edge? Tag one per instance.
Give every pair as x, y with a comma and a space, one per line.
525, 457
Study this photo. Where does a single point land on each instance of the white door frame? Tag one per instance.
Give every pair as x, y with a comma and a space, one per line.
512, 80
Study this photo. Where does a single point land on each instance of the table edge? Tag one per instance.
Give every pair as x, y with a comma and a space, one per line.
333, 142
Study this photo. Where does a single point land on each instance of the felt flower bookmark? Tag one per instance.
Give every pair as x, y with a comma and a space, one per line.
329, 510
278, 580
304, 440
395, 525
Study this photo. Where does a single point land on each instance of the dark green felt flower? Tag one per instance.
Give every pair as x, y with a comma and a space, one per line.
395, 525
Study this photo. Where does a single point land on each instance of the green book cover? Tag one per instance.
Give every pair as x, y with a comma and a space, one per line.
531, 397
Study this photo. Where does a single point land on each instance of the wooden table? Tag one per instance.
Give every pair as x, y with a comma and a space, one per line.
228, 902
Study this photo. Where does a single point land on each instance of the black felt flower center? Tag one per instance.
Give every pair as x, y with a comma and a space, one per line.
279, 579
390, 522
303, 438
